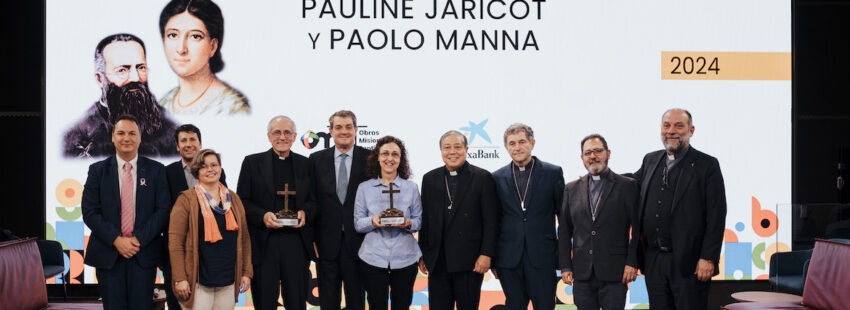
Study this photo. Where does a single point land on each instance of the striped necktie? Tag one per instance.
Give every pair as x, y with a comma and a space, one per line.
128, 205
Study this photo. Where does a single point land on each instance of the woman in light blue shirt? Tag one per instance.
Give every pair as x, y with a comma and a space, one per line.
389, 253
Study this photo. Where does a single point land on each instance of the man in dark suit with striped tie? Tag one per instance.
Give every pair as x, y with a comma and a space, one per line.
126, 205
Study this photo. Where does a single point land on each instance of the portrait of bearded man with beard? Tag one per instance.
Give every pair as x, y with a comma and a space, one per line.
121, 71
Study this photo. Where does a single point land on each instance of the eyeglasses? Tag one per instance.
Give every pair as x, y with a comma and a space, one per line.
596, 152
276, 134
389, 154
210, 166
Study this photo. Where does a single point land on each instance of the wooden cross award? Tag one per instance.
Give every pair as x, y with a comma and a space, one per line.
392, 216
286, 217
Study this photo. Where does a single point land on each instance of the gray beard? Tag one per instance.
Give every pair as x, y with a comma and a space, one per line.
675, 149
598, 170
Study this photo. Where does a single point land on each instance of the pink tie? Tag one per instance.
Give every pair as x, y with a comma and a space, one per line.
128, 207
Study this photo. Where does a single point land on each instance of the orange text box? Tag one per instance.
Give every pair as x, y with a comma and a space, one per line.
725, 66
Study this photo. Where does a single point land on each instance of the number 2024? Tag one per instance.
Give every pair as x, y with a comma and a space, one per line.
687, 64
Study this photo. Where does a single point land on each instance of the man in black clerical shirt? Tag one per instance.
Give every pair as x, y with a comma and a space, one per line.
683, 212
531, 192
460, 227
338, 171
598, 213
280, 254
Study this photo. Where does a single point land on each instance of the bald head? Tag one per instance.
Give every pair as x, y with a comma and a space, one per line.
680, 113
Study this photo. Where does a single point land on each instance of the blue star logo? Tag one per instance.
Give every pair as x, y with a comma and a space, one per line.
476, 130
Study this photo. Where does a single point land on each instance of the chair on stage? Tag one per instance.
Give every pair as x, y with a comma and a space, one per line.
788, 271
826, 285
53, 262
22, 284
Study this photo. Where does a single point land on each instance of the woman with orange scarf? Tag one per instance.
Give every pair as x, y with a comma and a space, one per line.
211, 253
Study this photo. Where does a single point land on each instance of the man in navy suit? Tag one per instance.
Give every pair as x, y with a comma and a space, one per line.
683, 217
599, 211
531, 192
338, 171
126, 206
188, 139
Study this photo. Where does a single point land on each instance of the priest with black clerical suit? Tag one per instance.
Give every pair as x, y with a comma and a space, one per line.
275, 185
460, 227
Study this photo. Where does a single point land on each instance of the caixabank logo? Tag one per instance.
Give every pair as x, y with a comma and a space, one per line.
480, 144
366, 137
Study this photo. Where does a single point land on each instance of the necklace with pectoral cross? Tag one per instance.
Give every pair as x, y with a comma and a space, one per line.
448, 193
285, 193
524, 194
391, 191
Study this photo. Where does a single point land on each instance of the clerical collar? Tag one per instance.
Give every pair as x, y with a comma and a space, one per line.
672, 160
457, 171
522, 169
600, 176
677, 156
281, 157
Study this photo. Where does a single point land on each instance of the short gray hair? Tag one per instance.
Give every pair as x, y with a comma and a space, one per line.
517, 127
455, 133
279, 117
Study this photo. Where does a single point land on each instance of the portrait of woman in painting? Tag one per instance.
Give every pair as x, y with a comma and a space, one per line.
192, 35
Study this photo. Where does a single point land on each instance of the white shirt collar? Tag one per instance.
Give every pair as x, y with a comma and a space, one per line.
337, 152
132, 162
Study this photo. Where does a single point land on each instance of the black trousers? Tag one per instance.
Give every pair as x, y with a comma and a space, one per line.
668, 289
526, 282
594, 293
127, 285
165, 266
170, 298
333, 273
284, 271
447, 288
379, 280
